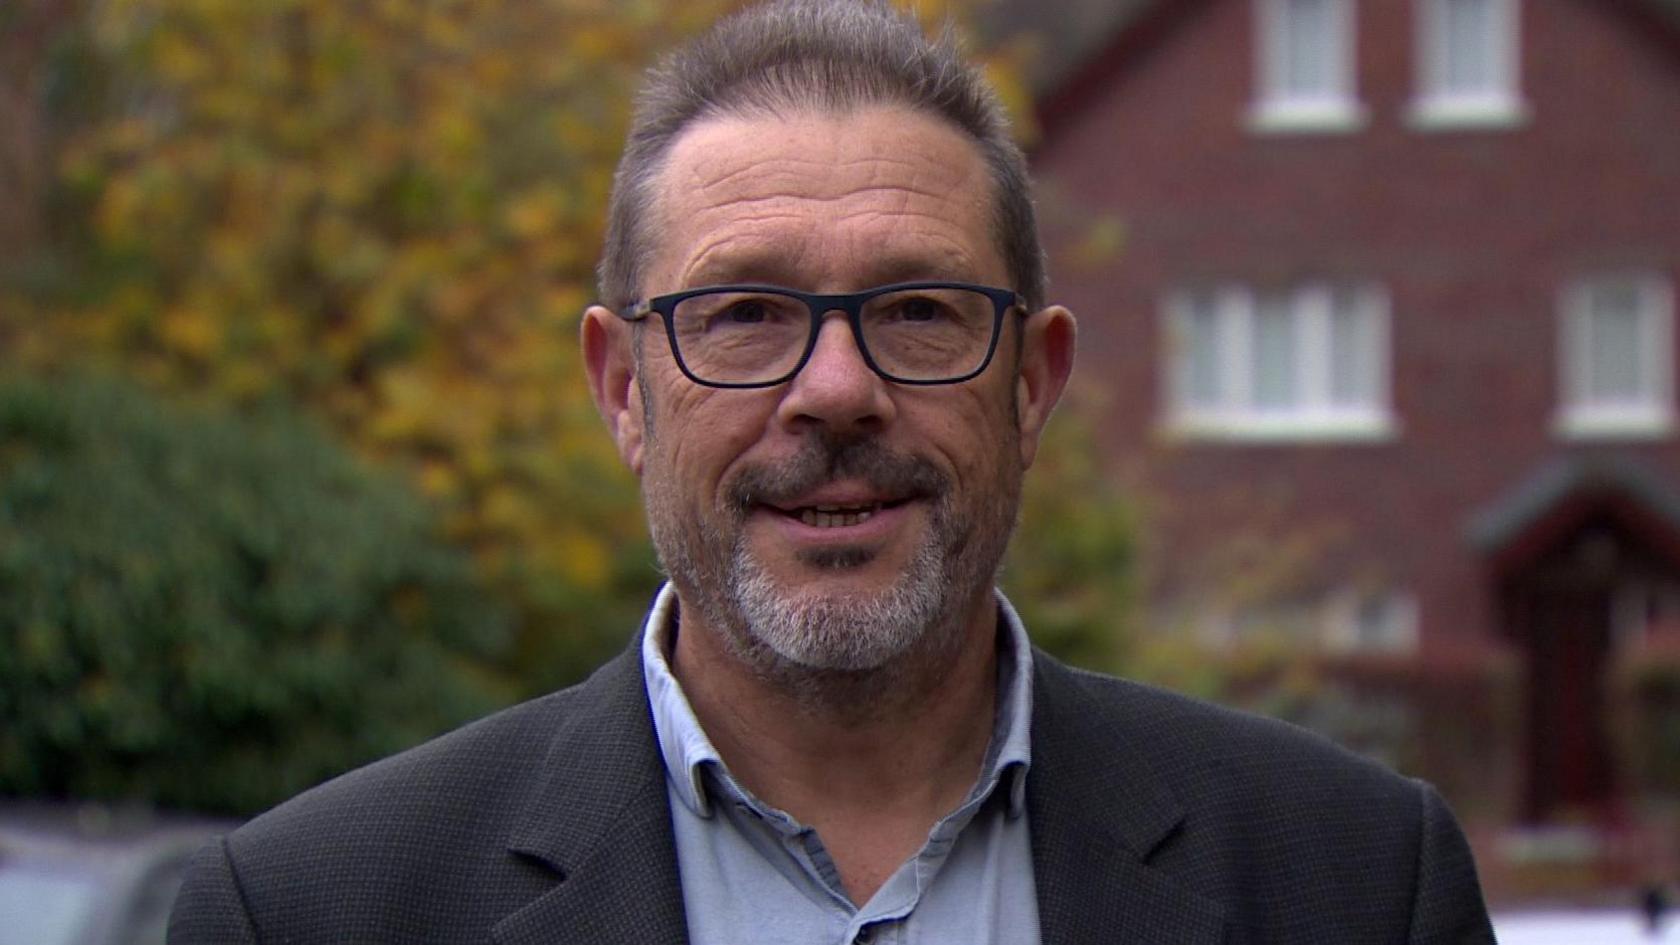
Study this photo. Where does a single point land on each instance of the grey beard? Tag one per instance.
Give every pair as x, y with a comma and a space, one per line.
846, 657
843, 656
851, 635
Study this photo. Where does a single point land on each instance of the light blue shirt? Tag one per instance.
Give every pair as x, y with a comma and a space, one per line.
752, 874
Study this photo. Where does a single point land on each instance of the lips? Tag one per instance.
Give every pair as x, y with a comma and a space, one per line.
835, 514
837, 486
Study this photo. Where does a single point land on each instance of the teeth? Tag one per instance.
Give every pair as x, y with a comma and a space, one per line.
835, 516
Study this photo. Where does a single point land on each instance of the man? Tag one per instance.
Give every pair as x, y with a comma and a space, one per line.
824, 349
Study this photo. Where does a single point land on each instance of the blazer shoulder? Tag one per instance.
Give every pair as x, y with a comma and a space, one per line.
1215, 753
465, 783
481, 759
1301, 840
433, 834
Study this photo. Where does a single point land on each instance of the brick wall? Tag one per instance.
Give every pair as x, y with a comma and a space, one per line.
1471, 232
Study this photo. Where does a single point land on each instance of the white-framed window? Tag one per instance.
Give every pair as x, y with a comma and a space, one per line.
1310, 361
1616, 346
1305, 74
1349, 620
1468, 64
1371, 621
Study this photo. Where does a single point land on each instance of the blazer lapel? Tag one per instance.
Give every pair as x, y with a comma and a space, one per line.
1097, 815
600, 821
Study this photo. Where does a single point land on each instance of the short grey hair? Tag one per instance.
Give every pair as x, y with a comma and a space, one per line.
822, 55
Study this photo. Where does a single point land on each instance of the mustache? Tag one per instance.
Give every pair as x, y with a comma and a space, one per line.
825, 457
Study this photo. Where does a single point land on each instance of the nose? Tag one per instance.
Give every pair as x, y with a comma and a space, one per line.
836, 389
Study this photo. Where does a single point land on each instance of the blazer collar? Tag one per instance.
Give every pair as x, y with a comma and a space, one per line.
599, 819
1098, 813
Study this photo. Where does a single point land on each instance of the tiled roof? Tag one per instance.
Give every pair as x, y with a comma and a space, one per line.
1510, 516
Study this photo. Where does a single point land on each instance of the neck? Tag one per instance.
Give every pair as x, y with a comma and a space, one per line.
909, 736
873, 782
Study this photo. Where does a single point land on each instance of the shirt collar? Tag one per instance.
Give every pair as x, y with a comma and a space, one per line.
1012, 736
686, 749
682, 743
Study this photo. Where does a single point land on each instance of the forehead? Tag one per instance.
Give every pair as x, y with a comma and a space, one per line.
823, 201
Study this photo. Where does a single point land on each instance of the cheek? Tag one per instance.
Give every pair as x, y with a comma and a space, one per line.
987, 460
698, 433
973, 438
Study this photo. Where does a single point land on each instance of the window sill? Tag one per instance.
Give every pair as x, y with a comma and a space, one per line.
1449, 113
1626, 423
1322, 117
1372, 427
1347, 643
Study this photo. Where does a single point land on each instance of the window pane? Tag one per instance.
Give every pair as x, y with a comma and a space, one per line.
1353, 351
1386, 622
1470, 43
1613, 345
1200, 354
1309, 48
1274, 354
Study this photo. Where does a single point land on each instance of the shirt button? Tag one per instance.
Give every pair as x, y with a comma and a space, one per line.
865, 936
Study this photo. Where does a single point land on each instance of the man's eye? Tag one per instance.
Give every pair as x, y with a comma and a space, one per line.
746, 312
920, 310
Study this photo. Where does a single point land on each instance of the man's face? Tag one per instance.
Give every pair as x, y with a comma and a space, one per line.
836, 520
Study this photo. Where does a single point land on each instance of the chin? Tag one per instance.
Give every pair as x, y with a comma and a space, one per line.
842, 628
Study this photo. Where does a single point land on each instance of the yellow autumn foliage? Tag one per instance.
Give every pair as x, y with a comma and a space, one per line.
387, 211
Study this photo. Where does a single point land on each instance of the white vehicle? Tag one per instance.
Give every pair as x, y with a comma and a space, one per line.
91, 875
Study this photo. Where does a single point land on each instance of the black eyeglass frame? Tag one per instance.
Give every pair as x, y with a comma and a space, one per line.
819, 305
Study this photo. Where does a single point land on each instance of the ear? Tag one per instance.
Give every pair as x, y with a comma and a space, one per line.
1048, 339
611, 366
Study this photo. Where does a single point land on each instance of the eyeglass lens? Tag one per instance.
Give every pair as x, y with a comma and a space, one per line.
926, 334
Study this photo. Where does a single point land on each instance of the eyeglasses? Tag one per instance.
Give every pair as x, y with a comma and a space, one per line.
761, 336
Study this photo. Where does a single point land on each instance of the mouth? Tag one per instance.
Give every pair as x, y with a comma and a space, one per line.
852, 494
839, 516
837, 511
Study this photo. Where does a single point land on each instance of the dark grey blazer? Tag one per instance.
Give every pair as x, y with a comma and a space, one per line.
1155, 820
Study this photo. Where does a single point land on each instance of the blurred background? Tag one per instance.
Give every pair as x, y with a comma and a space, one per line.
1373, 429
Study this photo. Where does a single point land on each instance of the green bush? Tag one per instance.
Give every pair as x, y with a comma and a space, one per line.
1073, 565
211, 611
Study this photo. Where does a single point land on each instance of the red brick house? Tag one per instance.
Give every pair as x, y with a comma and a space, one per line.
1379, 297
